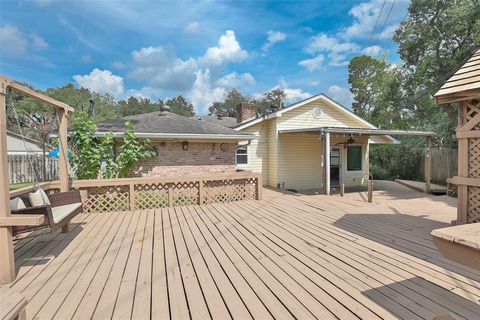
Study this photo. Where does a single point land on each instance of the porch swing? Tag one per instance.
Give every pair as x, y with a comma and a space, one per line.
57, 209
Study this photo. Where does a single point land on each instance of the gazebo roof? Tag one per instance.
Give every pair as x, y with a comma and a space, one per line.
464, 84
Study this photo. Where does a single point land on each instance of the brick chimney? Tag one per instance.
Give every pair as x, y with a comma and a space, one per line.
246, 111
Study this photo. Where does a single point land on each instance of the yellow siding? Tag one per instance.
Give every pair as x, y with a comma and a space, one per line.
272, 138
258, 151
353, 178
299, 161
302, 117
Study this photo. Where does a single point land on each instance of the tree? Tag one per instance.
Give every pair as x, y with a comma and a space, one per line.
228, 107
133, 106
270, 101
181, 106
434, 39
376, 89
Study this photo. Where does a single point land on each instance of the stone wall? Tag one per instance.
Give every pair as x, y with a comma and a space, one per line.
201, 158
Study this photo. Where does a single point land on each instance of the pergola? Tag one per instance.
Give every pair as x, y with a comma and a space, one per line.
8, 220
326, 132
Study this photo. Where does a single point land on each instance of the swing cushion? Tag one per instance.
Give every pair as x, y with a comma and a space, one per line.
17, 203
38, 198
61, 212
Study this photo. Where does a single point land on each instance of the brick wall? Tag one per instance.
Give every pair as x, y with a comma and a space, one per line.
201, 158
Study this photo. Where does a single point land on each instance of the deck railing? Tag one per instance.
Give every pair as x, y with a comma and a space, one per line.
109, 195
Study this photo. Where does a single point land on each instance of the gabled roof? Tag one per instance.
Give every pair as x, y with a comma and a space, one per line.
464, 84
169, 125
323, 96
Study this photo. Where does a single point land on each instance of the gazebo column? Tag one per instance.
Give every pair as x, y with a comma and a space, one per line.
7, 259
327, 162
428, 165
63, 155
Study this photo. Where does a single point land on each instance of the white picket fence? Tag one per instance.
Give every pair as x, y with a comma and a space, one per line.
28, 168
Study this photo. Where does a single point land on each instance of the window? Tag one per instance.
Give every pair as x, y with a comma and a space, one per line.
242, 155
354, 158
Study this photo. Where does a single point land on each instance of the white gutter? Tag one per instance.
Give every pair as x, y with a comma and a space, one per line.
191, 136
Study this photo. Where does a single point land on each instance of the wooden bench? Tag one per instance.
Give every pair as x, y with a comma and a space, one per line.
12, 304
460, 243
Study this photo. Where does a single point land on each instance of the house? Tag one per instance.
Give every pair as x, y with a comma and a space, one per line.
21, 145
184, 145
290, 150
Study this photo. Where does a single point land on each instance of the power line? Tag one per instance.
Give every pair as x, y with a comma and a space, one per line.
383, 26
376, 22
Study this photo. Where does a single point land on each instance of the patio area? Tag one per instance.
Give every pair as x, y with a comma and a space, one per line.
286, 256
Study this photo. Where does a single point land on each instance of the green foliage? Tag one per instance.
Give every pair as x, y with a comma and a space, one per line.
93, 151
270, 100
388, 162
132, 151
181, 106
89, 150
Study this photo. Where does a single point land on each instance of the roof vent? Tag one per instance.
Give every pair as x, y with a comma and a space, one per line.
164, 108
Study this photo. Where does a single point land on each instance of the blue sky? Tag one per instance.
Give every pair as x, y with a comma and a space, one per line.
199, 49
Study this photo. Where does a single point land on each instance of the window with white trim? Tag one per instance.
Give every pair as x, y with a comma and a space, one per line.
242, 155
354, 158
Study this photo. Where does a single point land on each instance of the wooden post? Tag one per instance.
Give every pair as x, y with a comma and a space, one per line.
428, 165
200, 191
63, 156
462, 193
170, 195
259, 187
7, 259
327, 163
370, 191
132, 195
342, 189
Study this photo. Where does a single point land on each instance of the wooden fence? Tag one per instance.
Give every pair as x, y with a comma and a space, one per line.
28, 168
444, 165
110, 195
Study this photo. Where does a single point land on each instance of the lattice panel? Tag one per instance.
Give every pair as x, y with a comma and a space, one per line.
474, 158
471, 110
185, 193
151, 196
229, 190
105, 199
473, 208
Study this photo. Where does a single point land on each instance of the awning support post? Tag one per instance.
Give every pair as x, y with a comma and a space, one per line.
428, 165
327, 163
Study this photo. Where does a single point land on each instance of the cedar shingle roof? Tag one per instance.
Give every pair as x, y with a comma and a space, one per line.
464, 84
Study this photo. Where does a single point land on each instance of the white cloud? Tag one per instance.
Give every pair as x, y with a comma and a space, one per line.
314, 63
144, 93
12, 40
365, 15
193, 27
372, 50
203, 94
162, 69
293, 95
234, 80
272, 38
342, 95
324, 43
86, 58
227, 50
101, 81
38, 42
336, 51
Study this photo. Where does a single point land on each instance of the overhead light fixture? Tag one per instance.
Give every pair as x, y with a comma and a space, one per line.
185, 145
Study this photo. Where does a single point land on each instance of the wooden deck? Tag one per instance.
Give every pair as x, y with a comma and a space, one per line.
288, 256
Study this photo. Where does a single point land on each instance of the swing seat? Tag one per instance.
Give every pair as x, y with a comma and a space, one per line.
64, 206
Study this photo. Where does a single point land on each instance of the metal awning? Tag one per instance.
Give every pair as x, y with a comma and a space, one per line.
361, 131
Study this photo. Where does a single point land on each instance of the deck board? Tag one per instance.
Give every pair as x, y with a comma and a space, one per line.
289, 256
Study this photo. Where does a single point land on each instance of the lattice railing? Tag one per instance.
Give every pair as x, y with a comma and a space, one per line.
151, 193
